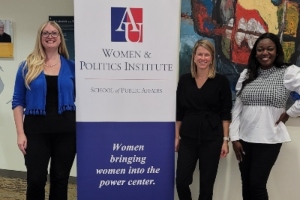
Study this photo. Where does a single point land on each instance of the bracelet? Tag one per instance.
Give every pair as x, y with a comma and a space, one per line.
226, 138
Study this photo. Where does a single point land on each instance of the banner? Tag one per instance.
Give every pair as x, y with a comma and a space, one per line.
126, 56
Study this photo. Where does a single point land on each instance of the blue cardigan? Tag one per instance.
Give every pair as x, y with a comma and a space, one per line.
33, 100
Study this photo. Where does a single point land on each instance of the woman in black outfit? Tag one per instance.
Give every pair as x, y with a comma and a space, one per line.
202, 122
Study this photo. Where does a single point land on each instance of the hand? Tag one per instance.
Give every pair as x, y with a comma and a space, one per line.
238, 149
224, 149
283, 118
177, 140
22, 142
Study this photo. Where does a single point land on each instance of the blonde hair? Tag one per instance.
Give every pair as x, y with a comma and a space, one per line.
208, 46
35, 60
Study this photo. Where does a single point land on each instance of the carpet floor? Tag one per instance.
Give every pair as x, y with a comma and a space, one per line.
15, 189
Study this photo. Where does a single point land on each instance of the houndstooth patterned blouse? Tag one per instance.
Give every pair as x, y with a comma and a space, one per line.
262, 102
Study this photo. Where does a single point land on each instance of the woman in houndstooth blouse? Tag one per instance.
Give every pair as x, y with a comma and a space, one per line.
258, 127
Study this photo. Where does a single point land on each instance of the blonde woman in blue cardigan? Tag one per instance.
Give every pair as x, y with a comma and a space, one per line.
44, 94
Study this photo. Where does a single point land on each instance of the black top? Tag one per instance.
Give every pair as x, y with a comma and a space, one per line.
202, 110
52, 121
5, 38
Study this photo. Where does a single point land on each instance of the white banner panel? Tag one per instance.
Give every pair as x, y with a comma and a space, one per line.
131, 78
126, 55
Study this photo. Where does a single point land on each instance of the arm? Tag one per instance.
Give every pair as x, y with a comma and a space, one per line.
21, 138
291, 82
18, 105
225, 148
226, 105
179, 115
177, 137
234, 127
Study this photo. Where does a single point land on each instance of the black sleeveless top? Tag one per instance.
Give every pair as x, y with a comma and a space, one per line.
52, 122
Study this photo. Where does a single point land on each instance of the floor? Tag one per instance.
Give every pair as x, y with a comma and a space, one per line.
15, 189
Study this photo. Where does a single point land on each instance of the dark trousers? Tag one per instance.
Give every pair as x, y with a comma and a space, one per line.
208, 154
61, 149
255, 169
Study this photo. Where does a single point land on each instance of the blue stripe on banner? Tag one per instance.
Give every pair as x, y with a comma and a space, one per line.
125, 160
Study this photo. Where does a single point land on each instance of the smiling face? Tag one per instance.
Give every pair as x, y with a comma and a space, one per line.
266, 53
50, 37
202, 58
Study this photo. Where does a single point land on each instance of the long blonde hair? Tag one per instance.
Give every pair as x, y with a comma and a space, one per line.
208, 46
35, 60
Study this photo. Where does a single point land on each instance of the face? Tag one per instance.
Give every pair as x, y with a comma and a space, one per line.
50, 37
202, 58
266, 53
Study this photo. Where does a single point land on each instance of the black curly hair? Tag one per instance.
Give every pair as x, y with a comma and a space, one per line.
253, 64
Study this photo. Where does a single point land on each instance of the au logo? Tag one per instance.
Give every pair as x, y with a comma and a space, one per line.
126, 24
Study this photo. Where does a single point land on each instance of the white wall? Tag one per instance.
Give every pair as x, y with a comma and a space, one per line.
27, 16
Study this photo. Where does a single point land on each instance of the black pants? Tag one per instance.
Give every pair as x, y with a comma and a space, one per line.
61, 149
255, 169
208, 153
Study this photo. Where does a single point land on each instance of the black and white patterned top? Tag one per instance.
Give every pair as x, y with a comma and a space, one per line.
267, 89
262, 102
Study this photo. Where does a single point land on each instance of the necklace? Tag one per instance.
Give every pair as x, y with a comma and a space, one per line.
50, 65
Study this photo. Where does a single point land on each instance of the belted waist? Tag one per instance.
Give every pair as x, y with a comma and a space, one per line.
211, 117
200, 113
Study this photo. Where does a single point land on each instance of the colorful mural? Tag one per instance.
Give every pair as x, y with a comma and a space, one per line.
234, 25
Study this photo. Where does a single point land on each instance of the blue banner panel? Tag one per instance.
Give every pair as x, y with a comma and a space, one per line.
125, 160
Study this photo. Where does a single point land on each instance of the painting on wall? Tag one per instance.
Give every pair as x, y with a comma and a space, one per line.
233, 26
6, 38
